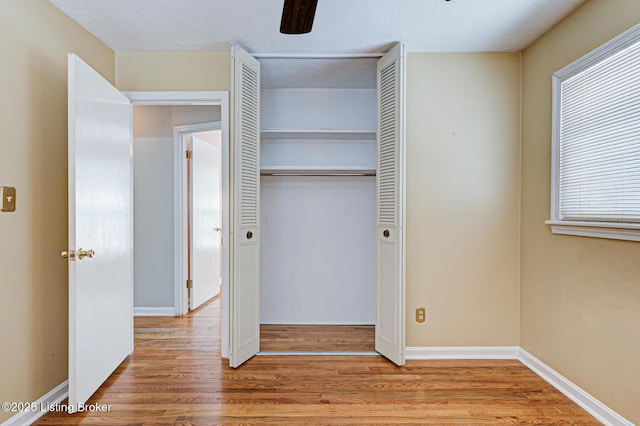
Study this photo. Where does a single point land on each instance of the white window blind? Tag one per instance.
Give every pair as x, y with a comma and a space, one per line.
600, 141
595, 173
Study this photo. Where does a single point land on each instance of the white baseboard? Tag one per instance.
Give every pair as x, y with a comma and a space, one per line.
462, 352
52, 397
587, 402
140, 311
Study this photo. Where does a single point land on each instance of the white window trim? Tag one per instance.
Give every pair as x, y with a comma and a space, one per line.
613, 230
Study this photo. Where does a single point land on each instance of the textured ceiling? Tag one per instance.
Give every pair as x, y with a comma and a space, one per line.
341, 26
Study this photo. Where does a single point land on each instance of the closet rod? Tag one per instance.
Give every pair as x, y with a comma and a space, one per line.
319, 174
316, 55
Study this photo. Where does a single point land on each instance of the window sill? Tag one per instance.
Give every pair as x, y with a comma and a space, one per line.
612, 230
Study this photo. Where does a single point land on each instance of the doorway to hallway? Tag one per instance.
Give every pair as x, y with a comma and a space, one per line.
177, 268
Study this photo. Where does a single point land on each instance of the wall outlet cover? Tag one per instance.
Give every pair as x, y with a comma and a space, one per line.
8, 196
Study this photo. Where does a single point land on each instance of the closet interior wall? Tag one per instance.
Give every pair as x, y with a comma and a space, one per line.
318, 256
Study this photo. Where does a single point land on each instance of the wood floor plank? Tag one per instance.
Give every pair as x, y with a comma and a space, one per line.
317, 338
176, 377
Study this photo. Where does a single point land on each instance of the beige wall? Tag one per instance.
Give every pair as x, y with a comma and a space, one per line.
35, 38
463, 168
173, 71
580, 296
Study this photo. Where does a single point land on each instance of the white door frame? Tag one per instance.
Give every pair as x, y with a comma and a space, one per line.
181, 299
198, 98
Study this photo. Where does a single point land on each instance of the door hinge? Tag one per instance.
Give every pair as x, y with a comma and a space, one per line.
189, 283
189, 155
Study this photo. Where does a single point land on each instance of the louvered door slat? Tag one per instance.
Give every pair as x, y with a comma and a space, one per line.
249, 146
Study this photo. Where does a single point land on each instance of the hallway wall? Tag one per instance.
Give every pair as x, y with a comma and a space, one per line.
153, 198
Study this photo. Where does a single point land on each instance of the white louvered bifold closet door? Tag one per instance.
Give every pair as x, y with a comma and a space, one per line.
390, 324
245, 278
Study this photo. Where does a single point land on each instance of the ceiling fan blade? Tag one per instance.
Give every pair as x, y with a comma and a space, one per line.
297, 16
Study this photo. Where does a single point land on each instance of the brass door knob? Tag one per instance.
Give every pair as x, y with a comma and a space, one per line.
217, 229
86, 253
71, 255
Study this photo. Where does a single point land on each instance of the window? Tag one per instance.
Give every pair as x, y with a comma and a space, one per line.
596, 143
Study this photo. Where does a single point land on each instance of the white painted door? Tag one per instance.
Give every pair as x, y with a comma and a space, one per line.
205, 220
100, 224
245, 173
390, 294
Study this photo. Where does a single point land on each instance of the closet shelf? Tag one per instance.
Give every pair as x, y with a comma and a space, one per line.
317, 134
317, 171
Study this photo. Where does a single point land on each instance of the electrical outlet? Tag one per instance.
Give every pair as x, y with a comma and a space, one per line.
421, 315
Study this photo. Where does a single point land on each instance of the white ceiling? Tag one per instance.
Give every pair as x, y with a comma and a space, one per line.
341, 26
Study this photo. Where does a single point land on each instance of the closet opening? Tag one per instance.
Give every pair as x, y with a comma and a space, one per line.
318, 205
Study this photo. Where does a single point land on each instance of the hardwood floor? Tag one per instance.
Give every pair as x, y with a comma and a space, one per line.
317, 338
176, 377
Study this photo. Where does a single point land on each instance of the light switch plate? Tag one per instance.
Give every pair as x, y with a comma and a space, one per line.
8, 196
